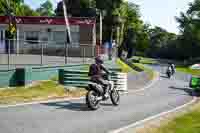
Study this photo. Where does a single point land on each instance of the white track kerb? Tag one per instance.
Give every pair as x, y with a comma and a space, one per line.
141, 122
41, 102
149, 85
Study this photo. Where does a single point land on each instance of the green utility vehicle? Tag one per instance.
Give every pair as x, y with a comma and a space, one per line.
195, 83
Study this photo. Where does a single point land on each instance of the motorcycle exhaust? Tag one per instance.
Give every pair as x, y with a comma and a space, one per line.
99, 98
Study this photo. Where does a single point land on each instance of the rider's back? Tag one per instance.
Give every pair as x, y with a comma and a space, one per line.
94, 70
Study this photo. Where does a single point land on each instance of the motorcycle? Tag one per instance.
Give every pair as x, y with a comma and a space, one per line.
96, 94
173, 71
169, 73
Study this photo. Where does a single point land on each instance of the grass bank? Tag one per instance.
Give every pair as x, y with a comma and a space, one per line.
186, 123
145, 60
150, 71
125, 68
43, 90
187, 70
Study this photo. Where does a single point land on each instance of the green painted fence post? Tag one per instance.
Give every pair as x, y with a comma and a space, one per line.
61, 76
20, 77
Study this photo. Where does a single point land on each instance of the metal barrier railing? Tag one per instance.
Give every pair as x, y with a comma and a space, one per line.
79, 78
15, 52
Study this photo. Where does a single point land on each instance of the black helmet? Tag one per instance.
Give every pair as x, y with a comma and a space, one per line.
98, 60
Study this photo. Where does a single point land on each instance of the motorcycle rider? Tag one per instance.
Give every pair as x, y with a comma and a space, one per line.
169, 68
172, 66
96, 74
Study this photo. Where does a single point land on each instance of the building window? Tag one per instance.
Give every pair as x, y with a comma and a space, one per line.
75, 35
32, 36
46, 37
1, 35
2, 41
59, 37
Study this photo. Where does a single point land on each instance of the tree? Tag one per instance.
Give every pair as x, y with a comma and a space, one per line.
45, 9
73, 7
5, 7
17, 7
116, 13
108, 5
160, 40
189, 24
110, 20
139, 39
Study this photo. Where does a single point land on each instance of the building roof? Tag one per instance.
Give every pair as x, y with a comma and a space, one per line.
48, 20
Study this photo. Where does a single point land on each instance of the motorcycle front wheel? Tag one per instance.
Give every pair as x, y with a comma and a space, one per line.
115, 97
92, 100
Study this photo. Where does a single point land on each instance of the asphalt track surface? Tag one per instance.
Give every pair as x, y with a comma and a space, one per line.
74, 117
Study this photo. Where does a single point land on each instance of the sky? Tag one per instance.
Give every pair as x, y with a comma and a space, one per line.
155, 12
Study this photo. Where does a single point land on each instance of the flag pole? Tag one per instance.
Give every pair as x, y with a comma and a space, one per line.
68, 34
100, 13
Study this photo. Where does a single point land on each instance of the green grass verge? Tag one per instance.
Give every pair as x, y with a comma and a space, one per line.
145, 60
150, 71
38, 91
187, 123
125, 68
188, 70
44, 90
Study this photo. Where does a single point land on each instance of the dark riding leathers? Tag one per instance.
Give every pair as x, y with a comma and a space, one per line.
96, 74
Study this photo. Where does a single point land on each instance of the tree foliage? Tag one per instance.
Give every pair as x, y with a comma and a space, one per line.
77, 8
16, 7
124, 17
189, 24
46, 9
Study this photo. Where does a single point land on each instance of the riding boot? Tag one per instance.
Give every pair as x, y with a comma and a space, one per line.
106, 95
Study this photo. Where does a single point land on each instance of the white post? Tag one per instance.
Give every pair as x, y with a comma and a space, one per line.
101, 30
66, 20
17, 39
94, 41
67, 29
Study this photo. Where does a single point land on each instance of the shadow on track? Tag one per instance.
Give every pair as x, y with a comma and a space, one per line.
162, 76
69, 105
187, 90
73, 106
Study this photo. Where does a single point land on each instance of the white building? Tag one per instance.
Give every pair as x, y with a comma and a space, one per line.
52, 31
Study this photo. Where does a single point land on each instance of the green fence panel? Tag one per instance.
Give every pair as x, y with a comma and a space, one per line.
79, 78
23, 76
78, 74
7, 78
46, 73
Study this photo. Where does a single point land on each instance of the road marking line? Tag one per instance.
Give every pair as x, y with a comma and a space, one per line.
41, 102
153, 117
68, 99
149, 85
